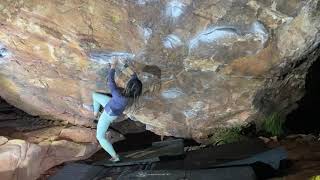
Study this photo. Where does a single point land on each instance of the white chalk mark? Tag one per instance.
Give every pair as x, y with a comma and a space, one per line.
172, 93
89, 107
259, 30
144, 2
4, 54
194, 110
174, 9
145, 33
172, 41
106, 57
213, 35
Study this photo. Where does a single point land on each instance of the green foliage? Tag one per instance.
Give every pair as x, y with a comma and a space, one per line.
226, 135
273, 124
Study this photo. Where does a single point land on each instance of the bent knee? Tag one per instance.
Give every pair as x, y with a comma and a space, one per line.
100, 137
94, 94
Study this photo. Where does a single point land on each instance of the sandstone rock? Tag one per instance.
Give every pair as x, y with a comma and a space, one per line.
86, 135
45, 148
218, 63
77, 134
274, 138
129, 126
40, 135
63, 151
22, 160
3, 140
264, 139
14, 157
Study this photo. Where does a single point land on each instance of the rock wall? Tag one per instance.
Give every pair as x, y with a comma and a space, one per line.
24, 160
30, 145
210, 57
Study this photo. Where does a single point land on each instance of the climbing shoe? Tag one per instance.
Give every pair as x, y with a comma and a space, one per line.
115, 159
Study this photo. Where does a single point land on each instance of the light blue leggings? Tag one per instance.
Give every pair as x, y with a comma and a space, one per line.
104, 122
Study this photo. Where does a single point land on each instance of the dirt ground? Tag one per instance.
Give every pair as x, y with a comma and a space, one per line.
304, 154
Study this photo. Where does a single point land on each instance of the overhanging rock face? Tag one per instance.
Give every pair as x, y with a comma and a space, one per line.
209, 57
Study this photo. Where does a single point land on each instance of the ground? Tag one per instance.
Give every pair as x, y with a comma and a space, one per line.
303, 152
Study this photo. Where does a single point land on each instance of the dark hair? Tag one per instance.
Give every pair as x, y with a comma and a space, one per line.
133, 91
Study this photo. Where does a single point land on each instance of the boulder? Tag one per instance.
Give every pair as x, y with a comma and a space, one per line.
85, 135
78, 134
204, 64
37, 151
3, 140
23, 160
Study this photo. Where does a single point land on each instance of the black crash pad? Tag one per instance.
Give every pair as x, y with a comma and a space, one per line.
148, 155
271, 157
245, 160
216, 155
77, 171
228, 173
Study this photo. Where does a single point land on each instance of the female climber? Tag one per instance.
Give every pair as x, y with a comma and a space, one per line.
122, 98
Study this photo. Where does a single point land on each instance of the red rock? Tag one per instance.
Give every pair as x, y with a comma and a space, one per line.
216, 77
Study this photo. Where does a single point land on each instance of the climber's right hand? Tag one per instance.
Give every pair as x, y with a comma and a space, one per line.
114, 62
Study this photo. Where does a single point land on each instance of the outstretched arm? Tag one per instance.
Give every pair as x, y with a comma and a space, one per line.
111, 82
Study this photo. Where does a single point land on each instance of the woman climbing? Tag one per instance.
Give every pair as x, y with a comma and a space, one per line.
122, 98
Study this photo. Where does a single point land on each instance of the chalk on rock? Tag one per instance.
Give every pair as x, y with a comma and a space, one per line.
213, 34
4, 52
144, 2
88, 107
172, 41
258, 29
146, 33
174, 9
104, 57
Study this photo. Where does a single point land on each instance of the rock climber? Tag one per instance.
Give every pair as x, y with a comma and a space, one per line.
123, 97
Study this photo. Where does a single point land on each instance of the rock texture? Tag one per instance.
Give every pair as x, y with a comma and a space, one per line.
77, 134
26, 155
30, 145
211, 58
23, 160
